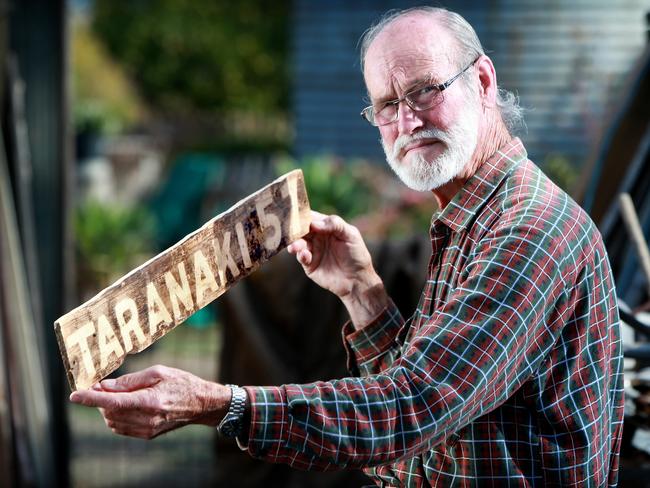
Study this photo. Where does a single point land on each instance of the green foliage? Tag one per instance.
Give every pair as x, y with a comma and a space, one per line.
201, 54
111, 240
559, 169
96, 117
367, 195
104, 99
333, 186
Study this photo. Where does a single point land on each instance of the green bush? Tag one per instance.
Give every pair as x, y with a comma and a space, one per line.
559, 169
201, 55
104, 99
333, 185
365, 194
111, 240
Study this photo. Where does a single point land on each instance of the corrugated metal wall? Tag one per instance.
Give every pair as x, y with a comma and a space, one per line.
564, 58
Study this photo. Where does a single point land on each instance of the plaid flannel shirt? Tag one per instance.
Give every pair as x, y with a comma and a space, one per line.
509, 373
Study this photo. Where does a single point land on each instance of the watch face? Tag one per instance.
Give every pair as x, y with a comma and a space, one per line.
229, 428
231, 425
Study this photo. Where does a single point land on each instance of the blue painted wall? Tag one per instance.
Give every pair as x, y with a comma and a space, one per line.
565, 59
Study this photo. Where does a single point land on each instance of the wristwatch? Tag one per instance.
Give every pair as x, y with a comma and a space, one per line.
232, 424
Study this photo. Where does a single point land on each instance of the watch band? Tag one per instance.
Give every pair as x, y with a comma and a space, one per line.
231, 425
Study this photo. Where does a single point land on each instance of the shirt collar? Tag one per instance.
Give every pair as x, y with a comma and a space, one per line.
462, 208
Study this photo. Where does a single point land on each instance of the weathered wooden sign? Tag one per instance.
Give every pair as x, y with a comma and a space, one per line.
148, 302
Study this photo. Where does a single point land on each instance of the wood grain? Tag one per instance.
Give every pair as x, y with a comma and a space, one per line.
28, 396
148, 302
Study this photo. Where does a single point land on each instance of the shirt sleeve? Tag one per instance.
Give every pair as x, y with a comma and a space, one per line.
466, 360
376, 346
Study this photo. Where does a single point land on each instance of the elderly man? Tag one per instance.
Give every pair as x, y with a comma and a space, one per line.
509, 372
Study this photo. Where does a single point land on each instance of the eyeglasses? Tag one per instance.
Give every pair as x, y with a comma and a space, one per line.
420, 99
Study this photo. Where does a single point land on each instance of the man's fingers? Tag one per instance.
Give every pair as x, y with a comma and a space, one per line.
296, 246
319, 222
303, 251
140, 432
304, 257
132, 431
133, 381
329, 224
321, 226
108, 400
90, 398
134, 418
317, 215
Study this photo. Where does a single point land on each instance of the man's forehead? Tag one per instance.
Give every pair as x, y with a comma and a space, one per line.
411, 50
394, 71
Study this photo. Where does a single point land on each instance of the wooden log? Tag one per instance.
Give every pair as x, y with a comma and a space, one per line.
148, 302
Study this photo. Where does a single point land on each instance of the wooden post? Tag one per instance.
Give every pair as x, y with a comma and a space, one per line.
148, 302
26, 369
636, 234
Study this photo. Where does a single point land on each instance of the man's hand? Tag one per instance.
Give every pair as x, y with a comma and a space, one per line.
335, 257
156, 400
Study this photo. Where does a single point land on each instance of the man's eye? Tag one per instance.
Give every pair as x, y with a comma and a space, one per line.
388, 105
427, 90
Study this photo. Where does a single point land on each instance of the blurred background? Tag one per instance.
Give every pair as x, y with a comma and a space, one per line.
127, 124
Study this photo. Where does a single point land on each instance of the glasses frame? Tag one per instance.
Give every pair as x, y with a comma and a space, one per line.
365, 113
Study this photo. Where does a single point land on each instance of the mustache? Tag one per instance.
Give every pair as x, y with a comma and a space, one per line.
402, 141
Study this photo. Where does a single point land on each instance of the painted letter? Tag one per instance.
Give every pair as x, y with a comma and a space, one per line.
269, 220
224, 258
180, 292
156, 309
80, 337
131, 325
290, 189
107, 341
243, 245
203, 277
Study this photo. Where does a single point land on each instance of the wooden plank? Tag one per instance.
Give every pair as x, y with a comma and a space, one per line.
28, 389
22, 163
148, 302
6, 428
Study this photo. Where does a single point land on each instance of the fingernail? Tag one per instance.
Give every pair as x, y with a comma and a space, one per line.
97, 387
74, 396
108, 384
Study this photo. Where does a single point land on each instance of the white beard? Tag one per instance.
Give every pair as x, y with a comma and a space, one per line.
460, 141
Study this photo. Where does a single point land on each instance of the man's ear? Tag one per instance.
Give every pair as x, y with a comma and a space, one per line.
487, 81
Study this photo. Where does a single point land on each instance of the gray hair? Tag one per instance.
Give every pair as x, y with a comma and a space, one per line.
468, 44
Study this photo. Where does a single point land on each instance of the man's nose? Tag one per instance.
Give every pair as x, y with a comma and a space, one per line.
408, 119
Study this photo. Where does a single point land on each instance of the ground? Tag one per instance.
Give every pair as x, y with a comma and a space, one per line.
185, 457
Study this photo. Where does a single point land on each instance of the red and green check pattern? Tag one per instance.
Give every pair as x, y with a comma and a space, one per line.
509, 373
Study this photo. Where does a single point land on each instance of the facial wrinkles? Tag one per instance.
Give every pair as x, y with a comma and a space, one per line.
398, 73
407, 54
